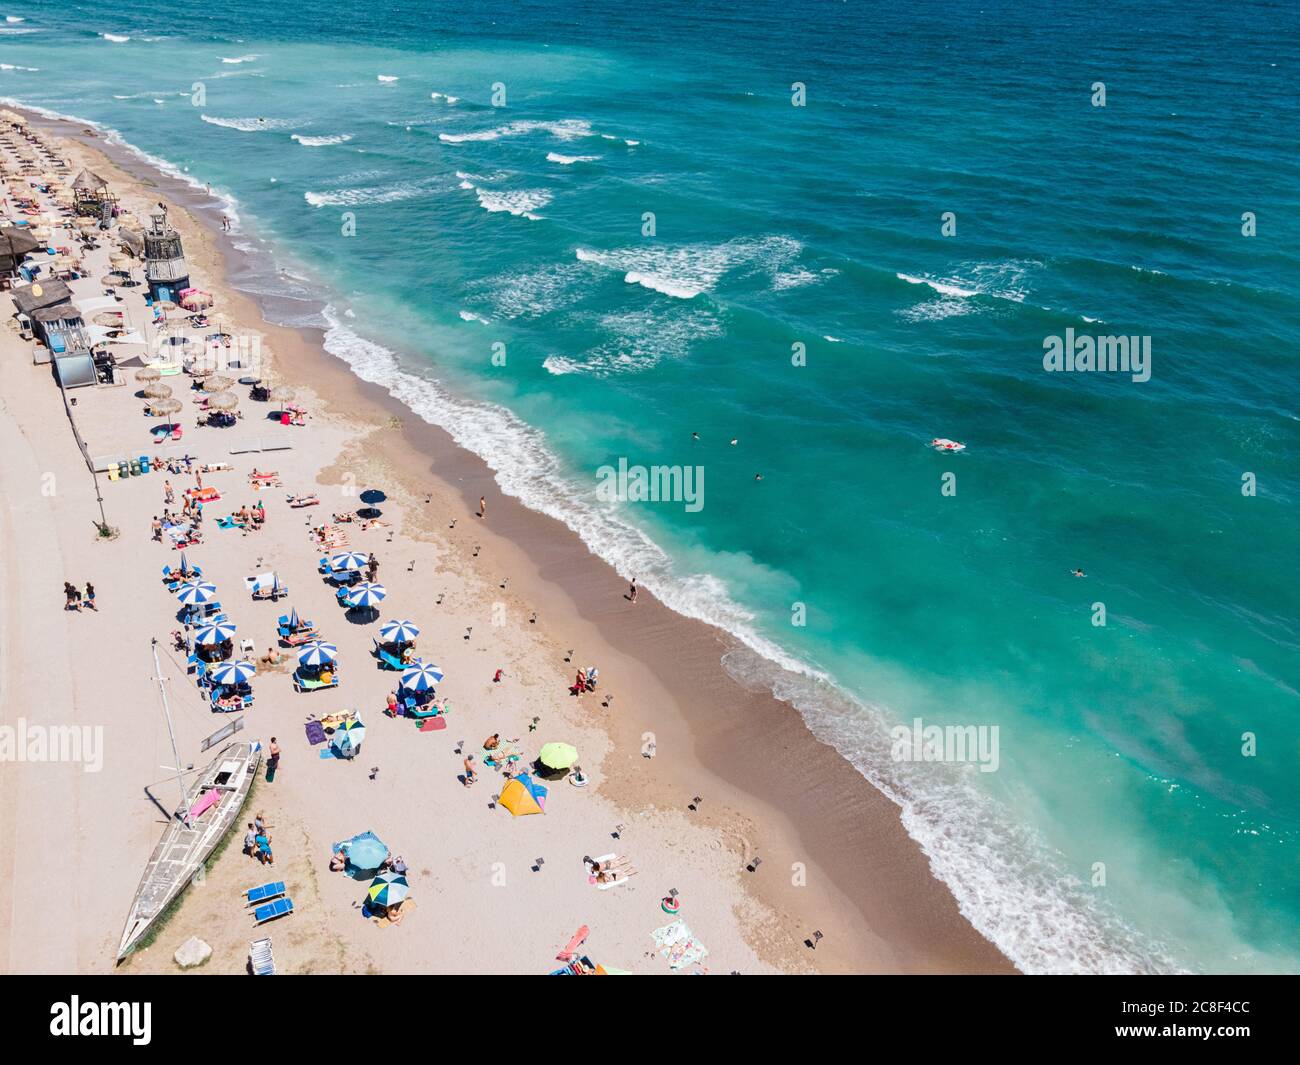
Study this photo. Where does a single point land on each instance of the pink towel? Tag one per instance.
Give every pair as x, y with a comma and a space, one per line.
206, 801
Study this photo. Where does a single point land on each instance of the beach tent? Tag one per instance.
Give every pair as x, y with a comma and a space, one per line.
364, 851
521, 796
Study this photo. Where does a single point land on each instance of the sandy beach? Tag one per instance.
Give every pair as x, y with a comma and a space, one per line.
693, 775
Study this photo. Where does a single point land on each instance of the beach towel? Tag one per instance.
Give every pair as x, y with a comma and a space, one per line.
433, 724
571, 948
677, 944
315, 733
205, 803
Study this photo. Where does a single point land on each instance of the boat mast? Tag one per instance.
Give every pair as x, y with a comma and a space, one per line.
167, 712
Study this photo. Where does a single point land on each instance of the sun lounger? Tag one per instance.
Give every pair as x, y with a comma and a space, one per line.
260, 957
570, 950
265, 893
305, 684
421, 713
387, 660
273, 910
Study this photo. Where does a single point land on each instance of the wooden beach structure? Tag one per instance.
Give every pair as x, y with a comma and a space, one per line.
165, 270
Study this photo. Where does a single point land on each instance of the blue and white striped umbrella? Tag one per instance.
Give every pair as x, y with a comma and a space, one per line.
233, 672
349, 560
421, 676
317, 653
192, 592
367, 594
217, 632
399, 631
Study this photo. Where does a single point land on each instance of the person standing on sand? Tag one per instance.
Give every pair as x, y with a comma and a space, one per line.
90, 597
169, 496
482, 506
157, 529
70, 596
631, 592
470, 775
273, 762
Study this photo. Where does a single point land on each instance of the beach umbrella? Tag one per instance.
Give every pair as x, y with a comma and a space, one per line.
365, 851
421, 676
217, 632
317, 653
217, 383
367, 594
192, 592
558, 755
294, 623
196, 301
348, 736
158, 390
164, 407
399, 632
388, 889
184, 566
233, 673
282, 393
349, 560
223, 401
147, 374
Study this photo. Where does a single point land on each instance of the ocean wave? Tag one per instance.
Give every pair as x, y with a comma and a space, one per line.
998, 280
565, 130
685, 272
522, 203
936, 310
14, 66
14, 19
320, 142
535, 293
240, 59
386, 77
249, 125
640, 341
116, 38
470, 316
452, 100
569, 160
10, 31
369, 195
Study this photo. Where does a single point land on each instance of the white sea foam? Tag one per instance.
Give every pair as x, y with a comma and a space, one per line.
686, 271
639, 340
444, 96
368, 195
522, 203
116, 38
320, 142
11, 31
565, 130
386, 77
14, 18
1007, 280
569, 160
535, 293
936, 310
249, 125
240, 59
14, 66
470, 316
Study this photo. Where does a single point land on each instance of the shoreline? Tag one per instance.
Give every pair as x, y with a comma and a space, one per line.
869, 886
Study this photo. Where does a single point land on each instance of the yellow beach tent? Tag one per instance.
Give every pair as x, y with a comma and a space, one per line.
518, 799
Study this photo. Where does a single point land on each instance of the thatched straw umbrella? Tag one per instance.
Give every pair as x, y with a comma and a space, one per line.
223, 401
165, 408
147, 374
218, 383
282, 393
197, 301
158, 390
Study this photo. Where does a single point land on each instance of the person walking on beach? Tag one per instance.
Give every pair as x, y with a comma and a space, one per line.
470, 775
70, 596
482, 506
169, 496
372, 567
90, 597
157, 529
273, 762
631, 592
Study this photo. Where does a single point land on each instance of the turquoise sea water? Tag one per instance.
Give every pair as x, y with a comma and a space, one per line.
820, 225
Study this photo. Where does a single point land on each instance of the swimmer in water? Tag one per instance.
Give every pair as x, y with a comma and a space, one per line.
1078, 573
695, 436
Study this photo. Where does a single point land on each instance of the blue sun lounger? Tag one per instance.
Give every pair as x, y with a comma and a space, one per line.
266, 892
272, 910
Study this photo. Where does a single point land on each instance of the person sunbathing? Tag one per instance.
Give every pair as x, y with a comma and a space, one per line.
492, 742
338, 862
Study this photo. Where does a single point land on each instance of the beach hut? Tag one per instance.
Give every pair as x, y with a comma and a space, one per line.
165, 269
16, 242
91, 195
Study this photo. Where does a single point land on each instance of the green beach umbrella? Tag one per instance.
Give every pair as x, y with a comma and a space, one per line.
558, 755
